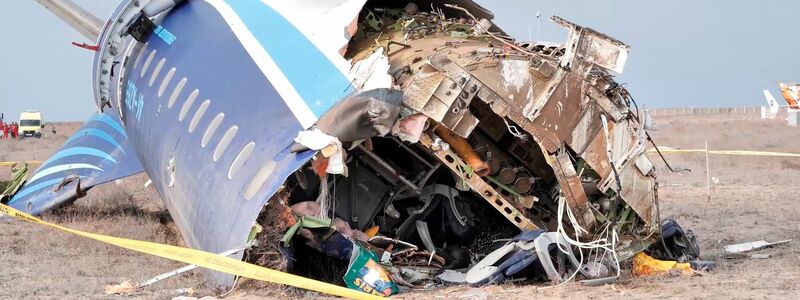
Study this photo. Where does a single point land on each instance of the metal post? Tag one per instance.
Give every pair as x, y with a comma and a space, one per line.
708, 176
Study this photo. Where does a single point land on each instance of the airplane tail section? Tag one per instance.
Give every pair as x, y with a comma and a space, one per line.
789, 93
99, 152
771, 102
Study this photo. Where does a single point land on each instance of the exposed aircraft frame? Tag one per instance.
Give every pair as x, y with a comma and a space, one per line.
435, 103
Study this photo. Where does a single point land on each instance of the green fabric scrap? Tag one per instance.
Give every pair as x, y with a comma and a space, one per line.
306, 222
18, 177
504, 187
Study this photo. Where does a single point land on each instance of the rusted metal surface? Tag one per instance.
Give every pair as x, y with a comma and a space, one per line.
540, 131
572, 189
490, 194
554, 94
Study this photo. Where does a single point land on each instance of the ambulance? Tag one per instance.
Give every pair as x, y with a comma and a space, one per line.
30, 124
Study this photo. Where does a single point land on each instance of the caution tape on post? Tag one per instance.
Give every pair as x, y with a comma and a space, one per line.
204, 259
729, 152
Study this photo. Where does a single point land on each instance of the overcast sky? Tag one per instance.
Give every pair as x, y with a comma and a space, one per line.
683, 53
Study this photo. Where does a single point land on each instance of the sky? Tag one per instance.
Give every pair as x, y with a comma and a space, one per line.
684, 53
39, 68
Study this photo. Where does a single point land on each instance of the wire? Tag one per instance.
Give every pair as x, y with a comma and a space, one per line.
629, 96
650, 139
661, 233
662, 156
602, 242
511, 45
515, 131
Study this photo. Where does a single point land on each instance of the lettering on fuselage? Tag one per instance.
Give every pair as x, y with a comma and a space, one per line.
165, 35
134, 100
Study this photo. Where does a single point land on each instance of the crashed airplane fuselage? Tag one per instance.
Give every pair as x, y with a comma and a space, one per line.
441, 125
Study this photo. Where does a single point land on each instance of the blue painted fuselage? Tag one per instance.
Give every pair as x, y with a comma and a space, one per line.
210, 128
208, 106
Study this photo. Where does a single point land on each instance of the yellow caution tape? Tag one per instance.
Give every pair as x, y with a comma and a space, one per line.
729, 152
204, 259
11, 163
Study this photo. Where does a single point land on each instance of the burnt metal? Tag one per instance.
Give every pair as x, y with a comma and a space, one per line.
551, 94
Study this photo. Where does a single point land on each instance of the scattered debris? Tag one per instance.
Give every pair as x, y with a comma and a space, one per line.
187, 268
750, 246
365, 274
19, 173
675, 243
644, 265
124, 288
275, 219
452, 277
481, 128
331, 148
195, 298
506, 261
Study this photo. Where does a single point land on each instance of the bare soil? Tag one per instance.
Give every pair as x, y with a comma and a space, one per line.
752, 198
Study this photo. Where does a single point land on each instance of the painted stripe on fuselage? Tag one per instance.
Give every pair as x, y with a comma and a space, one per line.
305, 78
76, 151
267, 65
111, 122
97, 133
319, 82
59, 168
28, 190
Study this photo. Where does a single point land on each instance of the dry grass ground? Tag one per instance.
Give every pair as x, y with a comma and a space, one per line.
753, 198
38, 262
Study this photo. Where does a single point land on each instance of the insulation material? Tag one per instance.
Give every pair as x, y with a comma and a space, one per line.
372, 72
409, 129
317, 140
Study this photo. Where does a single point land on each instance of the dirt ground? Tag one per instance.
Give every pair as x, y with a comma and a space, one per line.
752, 198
